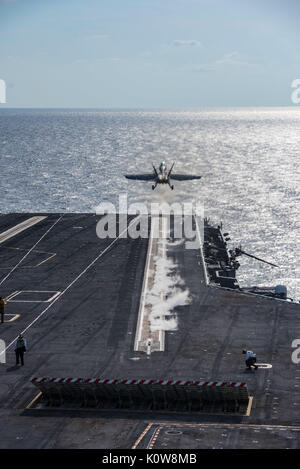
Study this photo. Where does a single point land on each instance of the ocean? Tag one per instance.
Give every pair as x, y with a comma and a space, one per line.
60, 160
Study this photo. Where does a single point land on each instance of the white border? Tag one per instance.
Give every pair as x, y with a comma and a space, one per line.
56, 293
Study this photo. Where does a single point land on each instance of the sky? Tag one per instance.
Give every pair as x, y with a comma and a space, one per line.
149, 53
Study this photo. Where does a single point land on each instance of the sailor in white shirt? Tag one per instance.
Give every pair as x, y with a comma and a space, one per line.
250, 359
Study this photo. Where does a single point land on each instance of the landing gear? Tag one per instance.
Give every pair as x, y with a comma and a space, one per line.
172, 187
153, 187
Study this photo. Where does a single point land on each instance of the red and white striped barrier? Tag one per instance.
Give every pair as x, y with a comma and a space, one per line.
189, 395
231, 384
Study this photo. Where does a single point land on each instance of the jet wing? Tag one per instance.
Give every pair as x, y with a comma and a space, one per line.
141, 177
184, 177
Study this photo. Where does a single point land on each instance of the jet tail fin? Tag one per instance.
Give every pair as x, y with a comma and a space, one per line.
155, 170
169, 173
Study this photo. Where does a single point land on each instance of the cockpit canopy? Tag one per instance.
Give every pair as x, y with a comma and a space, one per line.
162, 167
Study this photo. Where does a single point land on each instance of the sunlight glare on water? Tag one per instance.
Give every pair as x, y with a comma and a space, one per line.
71, 160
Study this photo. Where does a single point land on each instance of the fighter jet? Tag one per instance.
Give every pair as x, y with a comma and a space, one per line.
162, 176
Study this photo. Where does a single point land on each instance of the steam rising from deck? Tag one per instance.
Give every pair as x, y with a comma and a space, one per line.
166, 294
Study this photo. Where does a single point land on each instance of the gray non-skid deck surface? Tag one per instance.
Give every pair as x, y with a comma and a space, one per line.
89, 332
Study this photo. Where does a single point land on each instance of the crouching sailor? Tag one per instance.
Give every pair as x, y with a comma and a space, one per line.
250, 359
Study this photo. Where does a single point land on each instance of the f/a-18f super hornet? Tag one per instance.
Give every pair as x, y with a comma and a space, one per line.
162, 176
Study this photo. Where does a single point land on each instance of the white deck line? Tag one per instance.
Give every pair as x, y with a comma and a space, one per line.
32, 248
141, 314
55, 294
164, 223
71, 284
201, 252
159, 232
19, 228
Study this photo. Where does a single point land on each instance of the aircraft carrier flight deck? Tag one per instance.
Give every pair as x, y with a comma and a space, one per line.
81, 303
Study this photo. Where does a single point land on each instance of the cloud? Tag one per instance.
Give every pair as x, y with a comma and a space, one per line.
109, 59
94, 61
180, 44
187, 43
233, 58
146, 54
93, 17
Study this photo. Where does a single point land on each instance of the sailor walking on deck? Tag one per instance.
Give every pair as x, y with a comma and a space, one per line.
20, 348
250, 359
2, 307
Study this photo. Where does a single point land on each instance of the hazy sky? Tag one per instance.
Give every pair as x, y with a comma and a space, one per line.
149, 53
